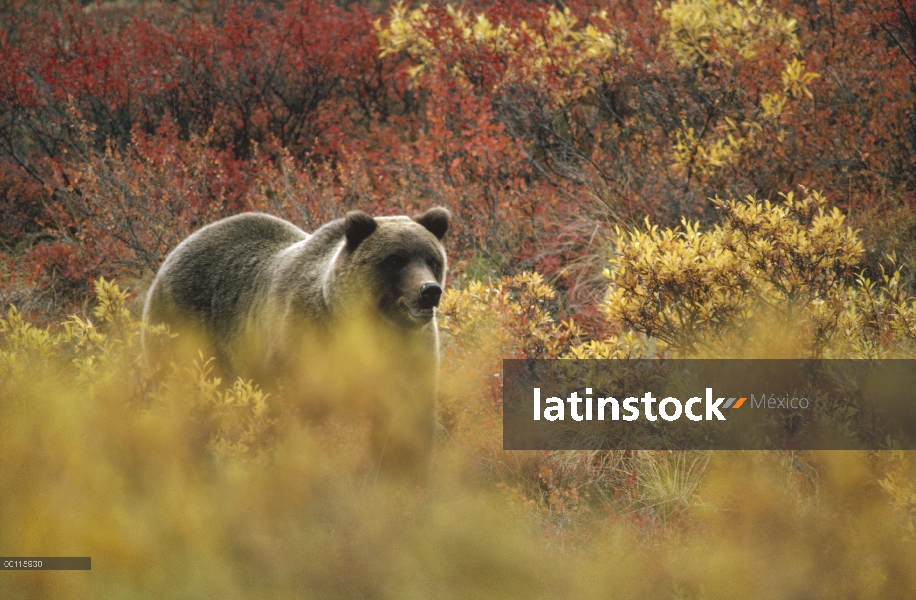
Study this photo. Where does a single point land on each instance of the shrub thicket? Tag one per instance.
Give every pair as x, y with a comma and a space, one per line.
579, 149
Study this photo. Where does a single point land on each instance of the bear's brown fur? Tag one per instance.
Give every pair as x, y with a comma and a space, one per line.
342, 316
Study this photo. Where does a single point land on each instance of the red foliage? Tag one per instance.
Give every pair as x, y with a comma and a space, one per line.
123, 129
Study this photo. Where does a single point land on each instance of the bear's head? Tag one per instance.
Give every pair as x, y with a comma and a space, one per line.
394, 265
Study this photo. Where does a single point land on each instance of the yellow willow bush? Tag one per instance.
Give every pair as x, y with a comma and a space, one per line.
98, 461
774, 279
703, 30
233, 420
506, 319
483, 323
710, 36
558, 41
573, 492
88, 348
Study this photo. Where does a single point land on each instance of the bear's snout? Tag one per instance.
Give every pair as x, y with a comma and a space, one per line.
430, 293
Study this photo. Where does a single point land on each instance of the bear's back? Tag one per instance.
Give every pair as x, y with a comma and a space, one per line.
217, 271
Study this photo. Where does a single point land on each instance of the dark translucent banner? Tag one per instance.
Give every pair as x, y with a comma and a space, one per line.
709, 404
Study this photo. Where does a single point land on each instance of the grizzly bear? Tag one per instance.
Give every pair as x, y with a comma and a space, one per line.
344, 318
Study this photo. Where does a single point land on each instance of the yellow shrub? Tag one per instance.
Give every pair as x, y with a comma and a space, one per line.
703, 30
506, 319
88, 472
705, 35
792, 266
557, 42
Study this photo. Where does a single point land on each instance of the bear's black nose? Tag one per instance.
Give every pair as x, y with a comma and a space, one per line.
429, 295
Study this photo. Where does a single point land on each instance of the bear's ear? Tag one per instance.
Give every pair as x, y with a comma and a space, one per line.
436, 220
357, 227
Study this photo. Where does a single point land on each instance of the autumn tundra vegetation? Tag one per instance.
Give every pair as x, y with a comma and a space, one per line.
627, 178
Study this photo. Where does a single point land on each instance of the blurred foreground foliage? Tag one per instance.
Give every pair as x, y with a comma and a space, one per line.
192, 487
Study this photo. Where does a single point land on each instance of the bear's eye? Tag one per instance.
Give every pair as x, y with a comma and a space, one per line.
395, 261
